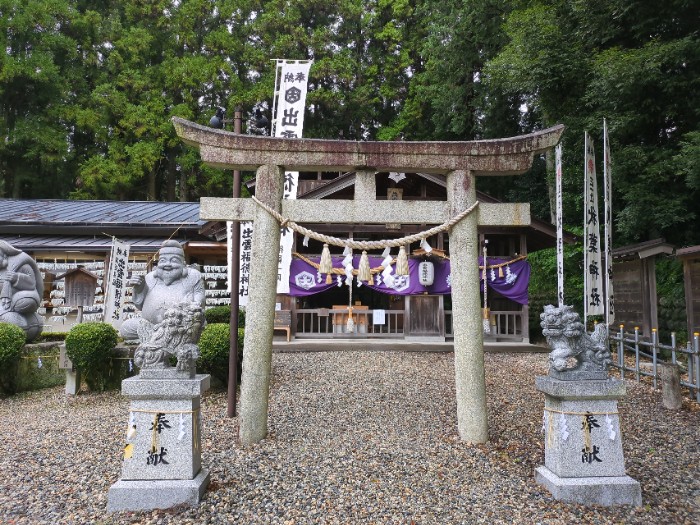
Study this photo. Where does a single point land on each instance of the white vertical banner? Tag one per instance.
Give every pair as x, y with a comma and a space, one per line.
593, 303
288, 122
607, 184
246, 244
116, 282
560, 226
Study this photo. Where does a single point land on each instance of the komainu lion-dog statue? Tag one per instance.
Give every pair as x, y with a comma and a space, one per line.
567, 338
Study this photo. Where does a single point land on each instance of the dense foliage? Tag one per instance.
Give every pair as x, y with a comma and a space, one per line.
12, 339
87, 91
214, 345
89, 347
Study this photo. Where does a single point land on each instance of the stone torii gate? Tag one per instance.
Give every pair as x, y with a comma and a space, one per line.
459, 161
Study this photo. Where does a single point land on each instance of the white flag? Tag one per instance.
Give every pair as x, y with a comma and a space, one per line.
116, 282
560, 227
593, 303
607, 183
288, 122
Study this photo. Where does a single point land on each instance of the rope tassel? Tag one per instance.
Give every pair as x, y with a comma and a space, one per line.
402, 262
364, 272
326, 264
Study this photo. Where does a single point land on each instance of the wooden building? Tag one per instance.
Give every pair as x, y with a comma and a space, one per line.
690, 257
385, 315
634, 278
64, 235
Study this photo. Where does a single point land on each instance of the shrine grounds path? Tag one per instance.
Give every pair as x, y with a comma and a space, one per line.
355, 437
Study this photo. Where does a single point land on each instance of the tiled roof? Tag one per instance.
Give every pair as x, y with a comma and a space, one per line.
83, 243
75, 212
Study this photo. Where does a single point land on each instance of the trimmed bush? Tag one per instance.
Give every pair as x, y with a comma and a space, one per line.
214, 345
222, 314
12, 339
89, 347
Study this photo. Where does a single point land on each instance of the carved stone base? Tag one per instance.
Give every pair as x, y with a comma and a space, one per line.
136, 495
608, 491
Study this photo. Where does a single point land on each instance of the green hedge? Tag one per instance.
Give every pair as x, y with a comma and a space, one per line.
89, 347
47, 337
12, 339
214, 345
222, 314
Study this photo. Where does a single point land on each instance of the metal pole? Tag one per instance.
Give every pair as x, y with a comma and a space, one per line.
235, 277
621, 351
673, 348
636, 352
654, 350
696, 364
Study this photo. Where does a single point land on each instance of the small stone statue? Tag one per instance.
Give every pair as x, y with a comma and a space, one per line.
177, 334
170, 283
21, 290
567, 338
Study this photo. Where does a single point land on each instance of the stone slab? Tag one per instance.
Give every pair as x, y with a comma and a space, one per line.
143, 495
579, 375
139, 388
607, 491
165, 373
587, 389
351, 211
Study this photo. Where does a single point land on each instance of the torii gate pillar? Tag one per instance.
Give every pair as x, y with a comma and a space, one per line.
470, 382
459, 161
255, 378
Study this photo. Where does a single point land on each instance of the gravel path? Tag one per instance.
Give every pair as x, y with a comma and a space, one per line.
355, 437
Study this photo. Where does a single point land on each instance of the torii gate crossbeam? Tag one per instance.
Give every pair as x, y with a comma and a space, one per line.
459, 161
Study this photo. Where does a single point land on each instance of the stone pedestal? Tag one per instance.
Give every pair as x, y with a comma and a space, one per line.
584, 462
162, 452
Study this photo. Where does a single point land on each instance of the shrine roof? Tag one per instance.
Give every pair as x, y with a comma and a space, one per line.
688, 251
644, 249
36, 215
81, 243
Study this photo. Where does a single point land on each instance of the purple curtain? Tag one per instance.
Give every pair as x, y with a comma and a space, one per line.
305, 280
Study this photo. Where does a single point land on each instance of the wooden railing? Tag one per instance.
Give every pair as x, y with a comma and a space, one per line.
333, 322
326, 322
508, 325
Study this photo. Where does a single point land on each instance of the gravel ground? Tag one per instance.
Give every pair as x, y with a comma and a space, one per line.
355, 437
